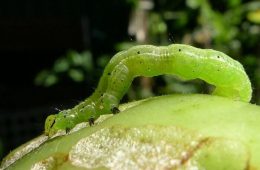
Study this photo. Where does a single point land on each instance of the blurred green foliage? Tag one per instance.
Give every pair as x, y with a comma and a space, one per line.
77, 66
230, 26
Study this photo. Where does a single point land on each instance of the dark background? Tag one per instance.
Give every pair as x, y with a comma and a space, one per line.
33, 34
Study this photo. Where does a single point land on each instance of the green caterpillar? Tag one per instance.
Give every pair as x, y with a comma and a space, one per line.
214, 67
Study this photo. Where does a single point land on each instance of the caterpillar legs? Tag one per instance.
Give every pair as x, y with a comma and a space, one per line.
91, 121
115, 110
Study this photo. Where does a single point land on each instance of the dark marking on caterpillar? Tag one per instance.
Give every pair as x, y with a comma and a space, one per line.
67, 130
177, 59
91, 121
52, 124
115, 110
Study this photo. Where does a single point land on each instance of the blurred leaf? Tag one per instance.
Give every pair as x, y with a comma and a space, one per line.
254, 16
50, 80
103, 60
86, 61
76, 75
194, 4
175, 85
61, 65
250, 60
233, 3
46, 78
257, 75
124, 45
133, 3
157, 25
74, 58
41, 76
251, 5
74, 65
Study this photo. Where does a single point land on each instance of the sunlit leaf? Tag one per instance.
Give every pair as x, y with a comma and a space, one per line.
254, 16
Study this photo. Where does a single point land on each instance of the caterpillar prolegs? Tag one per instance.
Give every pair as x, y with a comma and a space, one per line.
216, 68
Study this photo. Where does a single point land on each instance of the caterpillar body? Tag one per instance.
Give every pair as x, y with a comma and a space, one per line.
216, 68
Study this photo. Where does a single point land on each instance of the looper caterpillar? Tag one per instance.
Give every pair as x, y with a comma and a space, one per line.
214, 67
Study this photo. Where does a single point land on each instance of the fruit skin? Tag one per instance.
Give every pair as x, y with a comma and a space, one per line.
230, 127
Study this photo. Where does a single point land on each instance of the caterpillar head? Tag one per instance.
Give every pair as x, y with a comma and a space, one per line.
57, 122
49, 123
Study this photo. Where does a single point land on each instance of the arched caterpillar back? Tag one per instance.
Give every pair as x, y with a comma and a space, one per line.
214, 67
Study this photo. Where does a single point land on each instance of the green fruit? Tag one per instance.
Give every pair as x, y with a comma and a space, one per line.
167, 132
